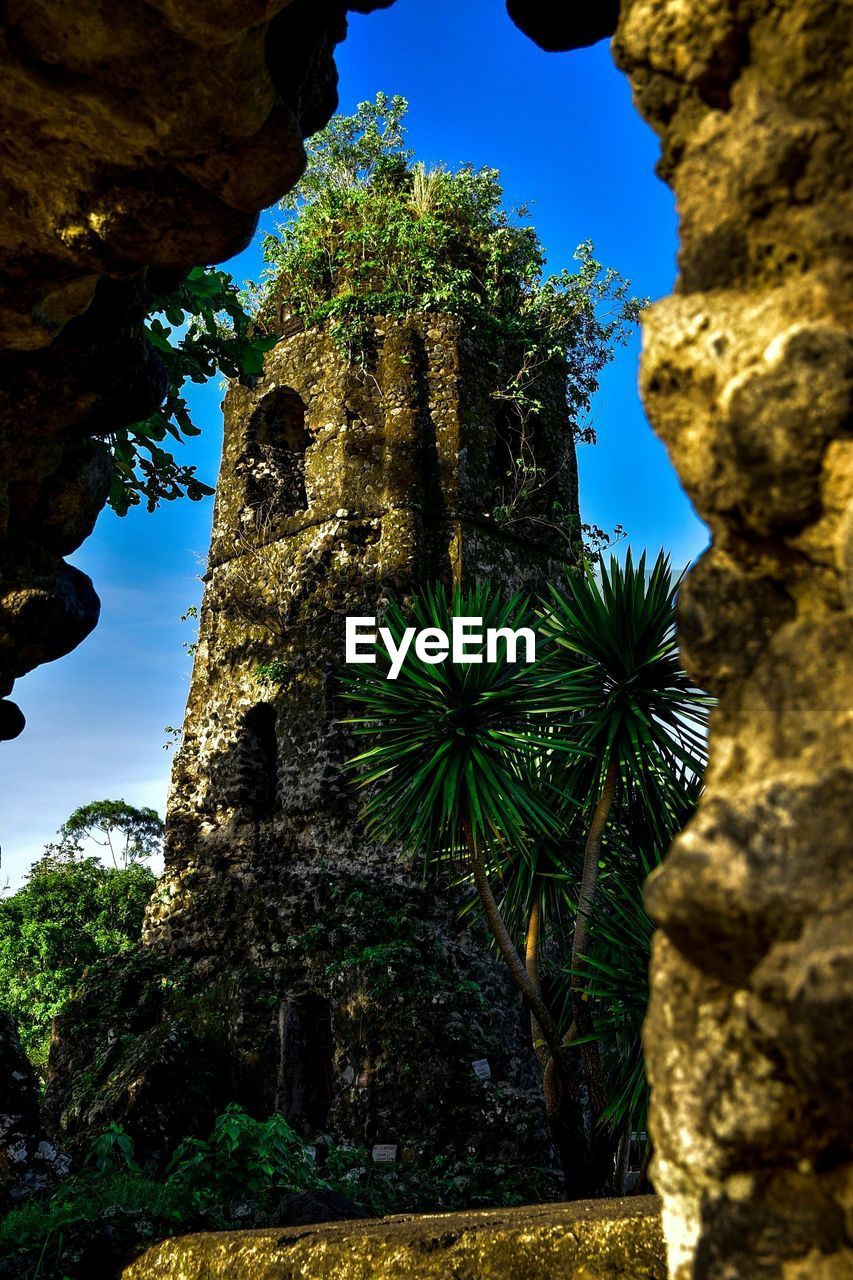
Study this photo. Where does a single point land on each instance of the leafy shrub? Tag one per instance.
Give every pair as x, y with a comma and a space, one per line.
444, 1182
242, 1159
68, 915
113, 1209
198, 327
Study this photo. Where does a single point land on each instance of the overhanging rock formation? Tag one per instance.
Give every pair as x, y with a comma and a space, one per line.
141, 139
747, 376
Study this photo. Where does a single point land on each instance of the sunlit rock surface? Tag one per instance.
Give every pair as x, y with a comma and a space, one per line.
747, 375
585, 1240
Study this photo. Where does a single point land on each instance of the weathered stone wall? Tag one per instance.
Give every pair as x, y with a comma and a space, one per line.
308, 970
747, 377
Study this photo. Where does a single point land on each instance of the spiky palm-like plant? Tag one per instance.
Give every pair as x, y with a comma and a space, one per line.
454, 749
637, 718
615, 969
525, 768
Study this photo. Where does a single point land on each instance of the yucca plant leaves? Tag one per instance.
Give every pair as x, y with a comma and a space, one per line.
619, 680
615, 976
451, 739
521, 752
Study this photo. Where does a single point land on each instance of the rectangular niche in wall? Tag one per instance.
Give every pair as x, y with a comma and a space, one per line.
255, 777
304, 1090
273, 463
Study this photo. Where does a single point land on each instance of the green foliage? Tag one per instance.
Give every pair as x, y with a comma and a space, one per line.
371, 233
620, 682
615, 976
242, 1159
444, 1182
351, 149
129, 833
451, 740
111, 1149
234, 1178
525, 751
615, 969
70, 913
197, 328
40, 1234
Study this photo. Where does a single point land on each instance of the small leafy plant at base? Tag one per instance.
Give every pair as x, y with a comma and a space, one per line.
243, 1160
110, 1209
113, 1207
442, 1183
98, 1219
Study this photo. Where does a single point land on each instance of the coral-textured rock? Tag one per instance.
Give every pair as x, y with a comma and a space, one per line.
593, 1239
29, 1162
747, 377
143, 137
290, 963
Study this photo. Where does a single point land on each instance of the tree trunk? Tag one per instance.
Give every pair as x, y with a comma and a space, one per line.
586, 901
584, 1170
531, 964
500, 933
589, 878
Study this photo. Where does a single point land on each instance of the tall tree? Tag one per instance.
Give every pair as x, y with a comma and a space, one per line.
128, 833
70, 913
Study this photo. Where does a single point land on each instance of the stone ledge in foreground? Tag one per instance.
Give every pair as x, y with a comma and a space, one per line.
583, 1240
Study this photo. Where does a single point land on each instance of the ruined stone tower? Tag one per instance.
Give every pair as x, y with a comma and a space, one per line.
319, 975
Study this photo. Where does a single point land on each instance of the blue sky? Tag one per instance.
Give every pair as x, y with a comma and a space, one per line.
563, 132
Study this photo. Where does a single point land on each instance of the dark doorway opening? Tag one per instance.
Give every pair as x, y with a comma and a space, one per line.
305, 1089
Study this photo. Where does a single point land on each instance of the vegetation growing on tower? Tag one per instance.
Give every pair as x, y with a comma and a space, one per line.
369, 231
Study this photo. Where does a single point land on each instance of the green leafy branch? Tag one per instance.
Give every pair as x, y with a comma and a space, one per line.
199, 328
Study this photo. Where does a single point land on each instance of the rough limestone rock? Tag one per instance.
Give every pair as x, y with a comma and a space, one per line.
142, 140
747, 377
588, 1239
29, 1162
289, 963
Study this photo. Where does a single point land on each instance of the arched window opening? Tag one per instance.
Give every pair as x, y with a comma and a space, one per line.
277, 441
305, 1082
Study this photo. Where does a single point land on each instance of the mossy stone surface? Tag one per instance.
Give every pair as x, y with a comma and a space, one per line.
585, 1240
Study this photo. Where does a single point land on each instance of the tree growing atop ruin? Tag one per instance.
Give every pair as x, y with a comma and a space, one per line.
369, 231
